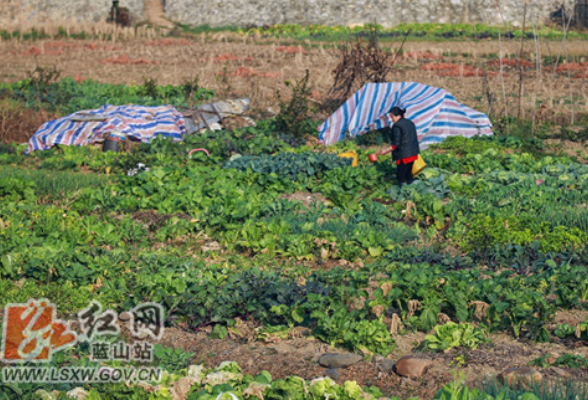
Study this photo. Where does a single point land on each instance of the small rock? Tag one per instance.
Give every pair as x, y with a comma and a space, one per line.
562, 373
387, 366
124, 316
78, 393
524, 376
411, 366
333, 373
334, 360
377, 359
382, 363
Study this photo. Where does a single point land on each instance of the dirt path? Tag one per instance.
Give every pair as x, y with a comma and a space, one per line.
155, 13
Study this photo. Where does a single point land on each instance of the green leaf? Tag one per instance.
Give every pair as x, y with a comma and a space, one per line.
7, 263
375, 251
219, 332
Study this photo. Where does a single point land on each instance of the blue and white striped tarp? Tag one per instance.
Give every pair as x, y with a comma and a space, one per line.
90, 126
434, 111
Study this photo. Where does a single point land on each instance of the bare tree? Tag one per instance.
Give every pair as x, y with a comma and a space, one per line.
360, 62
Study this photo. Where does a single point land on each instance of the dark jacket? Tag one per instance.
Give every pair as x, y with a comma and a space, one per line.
403, 135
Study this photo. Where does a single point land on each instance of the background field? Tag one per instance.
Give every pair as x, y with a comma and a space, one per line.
554, 72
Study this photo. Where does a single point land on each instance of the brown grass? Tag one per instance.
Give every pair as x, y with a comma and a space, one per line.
18, 124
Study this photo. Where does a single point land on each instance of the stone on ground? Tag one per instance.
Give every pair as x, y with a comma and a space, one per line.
339, 360
524, 376
333, 373
412, 366
382, 363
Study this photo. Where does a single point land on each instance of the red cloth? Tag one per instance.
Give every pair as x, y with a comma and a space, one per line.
406, 160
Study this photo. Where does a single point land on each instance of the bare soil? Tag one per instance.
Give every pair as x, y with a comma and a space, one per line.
298, 356
236, 65
239, 66
306, 198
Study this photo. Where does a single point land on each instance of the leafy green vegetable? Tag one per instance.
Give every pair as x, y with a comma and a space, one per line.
452, 335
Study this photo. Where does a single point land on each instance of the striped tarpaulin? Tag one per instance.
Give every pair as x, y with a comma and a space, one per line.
90, 126
435, 112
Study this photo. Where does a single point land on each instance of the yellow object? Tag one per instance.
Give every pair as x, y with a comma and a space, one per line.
418, 166
350, 154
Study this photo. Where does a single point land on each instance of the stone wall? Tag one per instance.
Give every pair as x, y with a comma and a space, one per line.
268, 12
349, 12
15, 14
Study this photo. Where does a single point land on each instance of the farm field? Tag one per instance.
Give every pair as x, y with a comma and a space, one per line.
554, 73
281, 254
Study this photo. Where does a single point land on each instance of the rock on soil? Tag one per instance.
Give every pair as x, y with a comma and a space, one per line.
560, 372
333, 373
339, 360
524, 376
383, 364
412, 367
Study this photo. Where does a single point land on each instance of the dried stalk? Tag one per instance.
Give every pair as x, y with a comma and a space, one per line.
565, 43
486, 90
396, 325
360, 62
519, 63
500, 56
537, 78
566, 26
401, 46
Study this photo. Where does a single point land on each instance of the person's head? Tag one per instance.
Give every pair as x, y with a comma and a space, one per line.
397, 113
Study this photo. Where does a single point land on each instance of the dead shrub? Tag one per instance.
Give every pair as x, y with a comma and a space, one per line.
360, 62
17, 123
43, 76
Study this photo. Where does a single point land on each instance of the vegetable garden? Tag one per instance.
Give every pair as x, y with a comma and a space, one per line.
491, 241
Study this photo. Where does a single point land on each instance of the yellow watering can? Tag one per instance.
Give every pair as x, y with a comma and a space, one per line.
350, 154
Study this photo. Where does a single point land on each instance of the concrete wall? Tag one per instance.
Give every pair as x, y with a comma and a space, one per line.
268, 12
